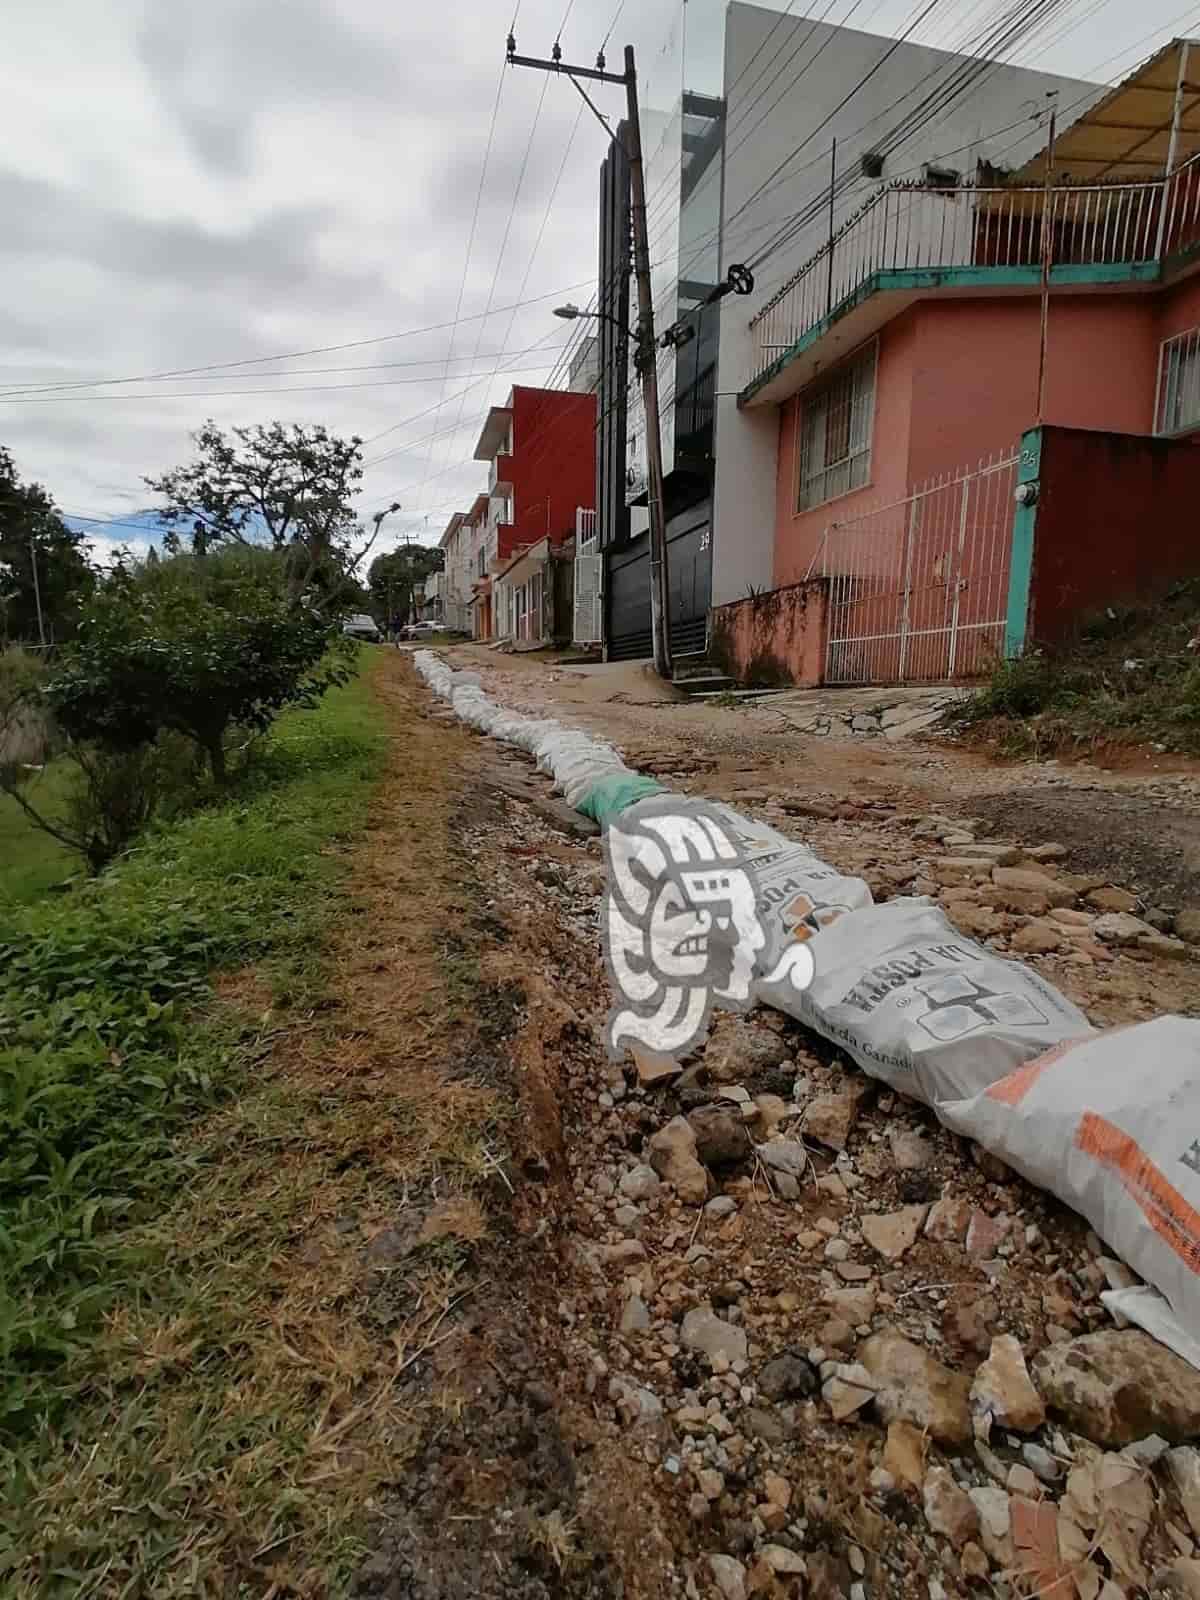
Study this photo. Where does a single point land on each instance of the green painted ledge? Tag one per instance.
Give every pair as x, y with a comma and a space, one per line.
979, 278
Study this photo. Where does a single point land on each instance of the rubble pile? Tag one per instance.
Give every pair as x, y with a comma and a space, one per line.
859, 1356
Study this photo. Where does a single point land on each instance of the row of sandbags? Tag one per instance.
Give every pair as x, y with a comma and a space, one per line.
1107, 1121
588, 772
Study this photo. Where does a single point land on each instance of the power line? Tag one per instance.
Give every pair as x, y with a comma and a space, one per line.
462, 282
512, 209
296, 355
210, 394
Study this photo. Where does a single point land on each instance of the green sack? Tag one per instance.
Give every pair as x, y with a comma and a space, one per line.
607, 798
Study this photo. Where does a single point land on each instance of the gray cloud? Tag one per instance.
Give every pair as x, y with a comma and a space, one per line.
208, 181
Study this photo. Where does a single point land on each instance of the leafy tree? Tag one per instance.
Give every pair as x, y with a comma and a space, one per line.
31, 531
281, 484
392, 577
100, 799
197, 645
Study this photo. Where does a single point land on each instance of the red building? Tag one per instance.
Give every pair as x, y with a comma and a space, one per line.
541, 452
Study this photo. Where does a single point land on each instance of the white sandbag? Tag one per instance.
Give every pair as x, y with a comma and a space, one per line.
580, 784
1110, 1124
798, 893
932, 1013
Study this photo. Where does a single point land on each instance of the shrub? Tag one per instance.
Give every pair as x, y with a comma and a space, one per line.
196, 647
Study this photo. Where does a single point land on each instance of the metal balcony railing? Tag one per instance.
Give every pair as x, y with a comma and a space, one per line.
911, 227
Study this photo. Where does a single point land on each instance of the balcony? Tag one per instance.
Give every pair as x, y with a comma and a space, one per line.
909, 239
500, 476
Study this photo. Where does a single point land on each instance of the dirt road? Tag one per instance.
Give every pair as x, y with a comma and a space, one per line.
607, 1387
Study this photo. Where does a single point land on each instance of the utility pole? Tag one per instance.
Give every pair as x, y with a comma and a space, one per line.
646, 347
1047, 254
37, 592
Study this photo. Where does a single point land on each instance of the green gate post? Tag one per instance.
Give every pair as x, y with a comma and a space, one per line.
1024, 532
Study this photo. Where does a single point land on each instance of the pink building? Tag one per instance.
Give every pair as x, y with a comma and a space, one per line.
904, 363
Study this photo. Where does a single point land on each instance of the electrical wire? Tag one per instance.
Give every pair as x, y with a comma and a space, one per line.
512, 209
210, 394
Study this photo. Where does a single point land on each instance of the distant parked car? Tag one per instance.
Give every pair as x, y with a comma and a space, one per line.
360, 626
419, 630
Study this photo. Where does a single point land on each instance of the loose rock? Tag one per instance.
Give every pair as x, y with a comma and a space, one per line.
1118, 1386
729, 1576
673, 1157
1003, 1393
640, 1183
894, 1232
948, 1510
721, 1136
913, 1387
904, 1454
704, 1331
828, 1118
788, 1376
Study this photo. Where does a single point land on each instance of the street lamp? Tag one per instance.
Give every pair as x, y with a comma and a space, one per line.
738, 280
377, 519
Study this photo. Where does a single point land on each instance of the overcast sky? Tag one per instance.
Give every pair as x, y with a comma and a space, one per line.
191, 182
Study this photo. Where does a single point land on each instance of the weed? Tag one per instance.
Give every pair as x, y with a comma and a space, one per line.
1129, 677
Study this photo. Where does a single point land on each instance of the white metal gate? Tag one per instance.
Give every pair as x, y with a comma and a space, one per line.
918, 590
588, 625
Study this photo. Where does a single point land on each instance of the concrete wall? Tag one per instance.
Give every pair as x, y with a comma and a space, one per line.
745, 496
1118, 520
773, 638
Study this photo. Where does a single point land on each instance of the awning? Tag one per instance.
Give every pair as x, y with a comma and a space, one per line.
495, 431
1127, 133
525, 563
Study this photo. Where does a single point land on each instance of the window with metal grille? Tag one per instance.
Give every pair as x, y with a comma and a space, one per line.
835, 433
1179, 384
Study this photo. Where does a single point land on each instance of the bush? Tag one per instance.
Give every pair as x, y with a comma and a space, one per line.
1021, 687
195, 646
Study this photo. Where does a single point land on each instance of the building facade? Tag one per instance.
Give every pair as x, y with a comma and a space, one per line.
904, 378
780, 129
540, 451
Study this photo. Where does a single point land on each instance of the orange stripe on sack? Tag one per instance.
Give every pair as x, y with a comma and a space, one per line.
1010, 1091
1165, 1209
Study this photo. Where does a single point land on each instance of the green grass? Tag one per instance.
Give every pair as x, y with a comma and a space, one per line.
31, 862
106, 1048
1127, 679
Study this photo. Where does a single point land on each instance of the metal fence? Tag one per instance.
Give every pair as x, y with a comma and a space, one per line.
918, 589
910, 226
588, 625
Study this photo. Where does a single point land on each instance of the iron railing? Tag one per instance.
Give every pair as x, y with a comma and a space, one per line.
911, 227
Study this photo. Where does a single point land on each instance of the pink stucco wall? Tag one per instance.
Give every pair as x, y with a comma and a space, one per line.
957, 382
1180, 309
975, 375
798, 533
774, 638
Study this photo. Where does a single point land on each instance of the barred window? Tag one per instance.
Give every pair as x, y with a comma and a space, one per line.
1179, 384
835, 433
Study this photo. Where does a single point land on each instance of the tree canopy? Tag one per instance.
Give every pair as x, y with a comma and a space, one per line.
40, 558
392, 576
285, 485
196, 646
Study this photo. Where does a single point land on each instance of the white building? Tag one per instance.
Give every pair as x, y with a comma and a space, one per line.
778, 164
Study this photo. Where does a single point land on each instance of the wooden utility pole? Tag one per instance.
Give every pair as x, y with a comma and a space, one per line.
646, 348
1047, 256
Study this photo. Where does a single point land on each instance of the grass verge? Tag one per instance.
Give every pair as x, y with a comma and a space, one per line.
31, 862
1128, 679
223, 1268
